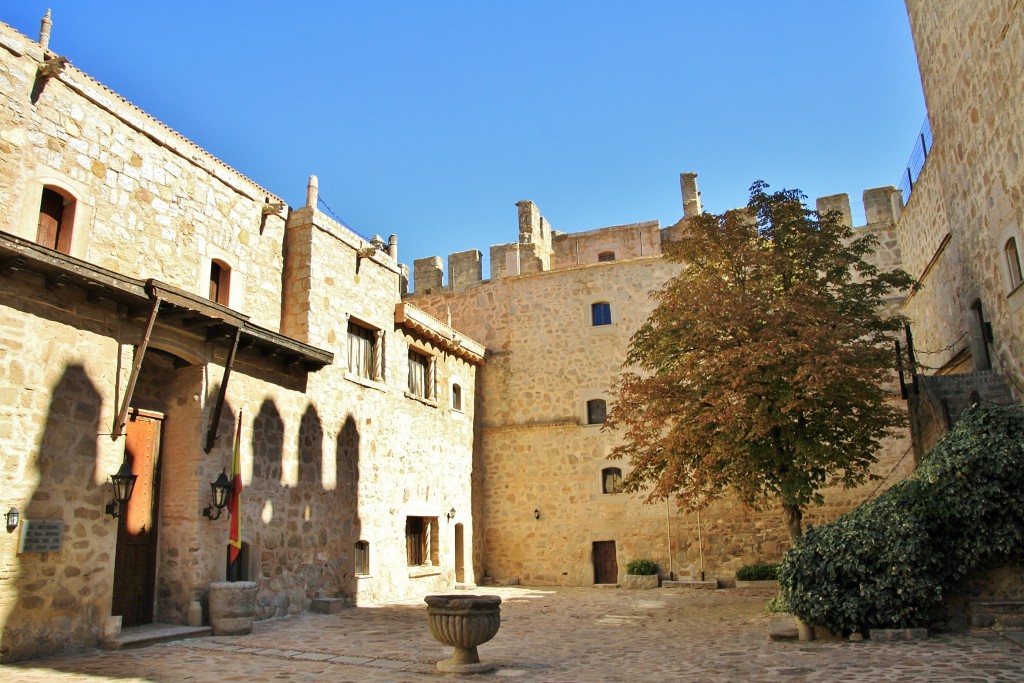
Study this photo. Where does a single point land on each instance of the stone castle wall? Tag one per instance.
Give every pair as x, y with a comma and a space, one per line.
969, 199
540, 457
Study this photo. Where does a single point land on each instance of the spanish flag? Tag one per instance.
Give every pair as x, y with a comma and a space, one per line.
235, 504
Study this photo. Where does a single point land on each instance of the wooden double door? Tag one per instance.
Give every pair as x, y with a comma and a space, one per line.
135, 560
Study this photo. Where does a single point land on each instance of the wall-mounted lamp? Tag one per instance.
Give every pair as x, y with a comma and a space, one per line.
536, 514
220, 490
13, 518
124, 484
451, 514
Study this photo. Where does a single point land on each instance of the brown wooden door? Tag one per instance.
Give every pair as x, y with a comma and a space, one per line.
135, 562
606, 568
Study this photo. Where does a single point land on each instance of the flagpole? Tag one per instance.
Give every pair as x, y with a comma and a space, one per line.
235, 506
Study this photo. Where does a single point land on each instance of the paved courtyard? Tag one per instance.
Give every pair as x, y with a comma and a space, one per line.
564, 634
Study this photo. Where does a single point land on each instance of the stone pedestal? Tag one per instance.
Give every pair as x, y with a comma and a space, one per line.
463, 622
232, 607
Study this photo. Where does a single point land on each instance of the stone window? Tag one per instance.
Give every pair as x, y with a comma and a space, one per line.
600, 313
611, 480
597, 411
421, 374
365, 352
1013, 262
605, 256
362, 558
56, 219
421, 541
220, 282
456, 397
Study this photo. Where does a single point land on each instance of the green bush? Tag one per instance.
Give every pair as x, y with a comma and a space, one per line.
761, 571
641, 568
889, 562
778, 605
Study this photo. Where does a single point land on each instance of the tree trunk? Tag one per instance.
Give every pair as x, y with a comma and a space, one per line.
793, 515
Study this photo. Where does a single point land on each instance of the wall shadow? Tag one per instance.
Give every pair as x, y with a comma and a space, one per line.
58, 605
346, 508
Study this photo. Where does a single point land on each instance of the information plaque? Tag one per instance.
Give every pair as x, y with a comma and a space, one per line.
41, 535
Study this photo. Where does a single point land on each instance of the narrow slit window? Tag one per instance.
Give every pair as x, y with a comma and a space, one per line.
220, 282
362, 558
456, 397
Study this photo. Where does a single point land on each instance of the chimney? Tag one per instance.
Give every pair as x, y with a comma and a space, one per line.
312, 191
44, 32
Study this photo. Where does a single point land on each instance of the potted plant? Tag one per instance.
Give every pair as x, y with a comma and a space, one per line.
641, 574
758, 575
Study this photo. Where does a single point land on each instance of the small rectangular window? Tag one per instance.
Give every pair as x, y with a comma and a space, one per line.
456, 397
611, 480
220, 282
606, 256
597, 411
365, 347
362, 557
421, 374
421, 541
601, 313
56, 217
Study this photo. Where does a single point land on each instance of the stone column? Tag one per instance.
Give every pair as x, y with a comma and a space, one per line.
378, 356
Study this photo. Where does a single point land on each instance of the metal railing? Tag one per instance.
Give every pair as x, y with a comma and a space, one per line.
922, 147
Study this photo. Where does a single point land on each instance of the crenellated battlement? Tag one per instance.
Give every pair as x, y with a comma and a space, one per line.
540, 249
881, 205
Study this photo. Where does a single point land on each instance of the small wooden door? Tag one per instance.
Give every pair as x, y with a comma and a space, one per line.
135, 562
606, 568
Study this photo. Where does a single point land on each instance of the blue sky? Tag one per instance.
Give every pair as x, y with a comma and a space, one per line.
430, 120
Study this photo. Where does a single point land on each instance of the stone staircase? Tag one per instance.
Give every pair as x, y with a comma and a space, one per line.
999, 615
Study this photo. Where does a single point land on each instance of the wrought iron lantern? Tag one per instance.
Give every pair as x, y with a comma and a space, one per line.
13, 519
124, 484
220, 490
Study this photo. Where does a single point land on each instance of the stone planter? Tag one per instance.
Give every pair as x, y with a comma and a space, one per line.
640, 581
463, 622
232, 607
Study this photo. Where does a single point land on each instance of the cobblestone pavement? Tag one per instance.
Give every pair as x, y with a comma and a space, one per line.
564, 634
